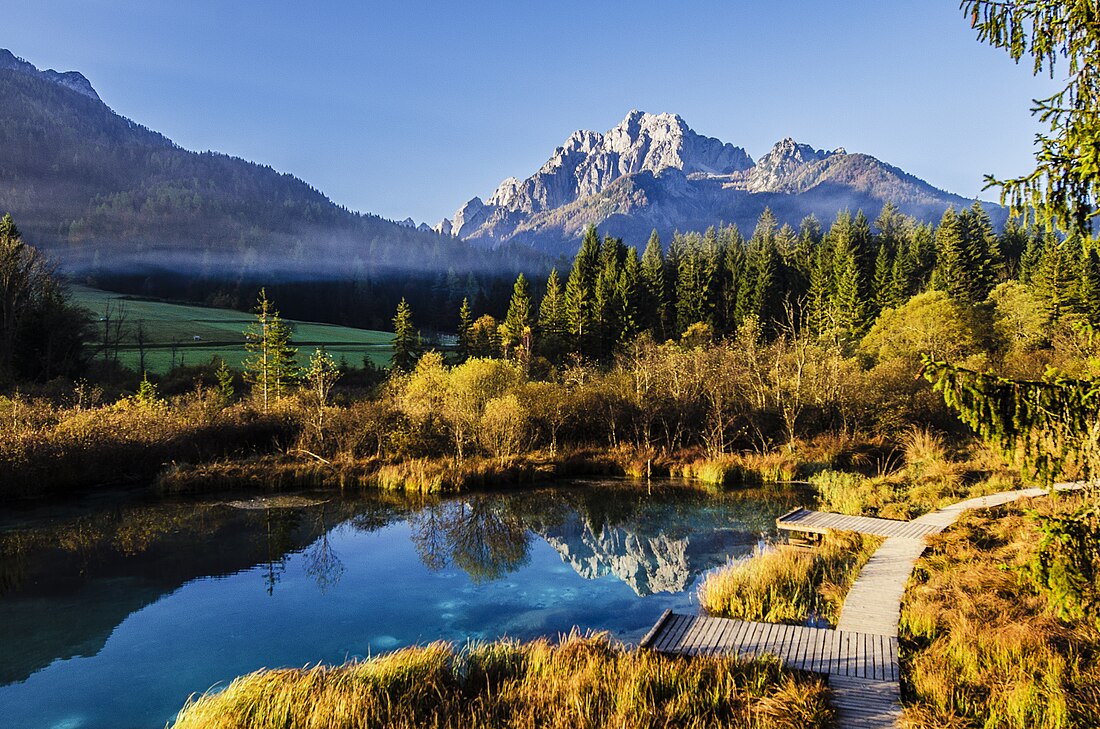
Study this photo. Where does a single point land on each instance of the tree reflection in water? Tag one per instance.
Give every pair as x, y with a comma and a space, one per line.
321, 561
480, 535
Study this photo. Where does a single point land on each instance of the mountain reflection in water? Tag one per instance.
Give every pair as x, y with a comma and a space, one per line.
325, 576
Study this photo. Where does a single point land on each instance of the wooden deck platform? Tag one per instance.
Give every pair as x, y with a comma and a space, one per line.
819, 650
821, 522
860, 657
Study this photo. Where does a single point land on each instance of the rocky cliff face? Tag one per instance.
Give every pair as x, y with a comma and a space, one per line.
653, 172
588, 163
69, 79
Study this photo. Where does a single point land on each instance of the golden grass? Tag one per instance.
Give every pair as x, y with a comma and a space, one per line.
788, 584
981, 647
584, 682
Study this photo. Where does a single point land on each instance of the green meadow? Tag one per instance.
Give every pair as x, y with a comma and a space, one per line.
183, 334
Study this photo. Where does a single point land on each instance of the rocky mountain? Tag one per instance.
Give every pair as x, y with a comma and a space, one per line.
653, 172
69, 79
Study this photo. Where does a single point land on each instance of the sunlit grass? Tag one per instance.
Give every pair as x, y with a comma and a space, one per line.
981, 646
584, 682
786, 584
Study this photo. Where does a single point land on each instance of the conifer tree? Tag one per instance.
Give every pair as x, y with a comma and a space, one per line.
653, 289
848, 306
1056, 279
731, 276
580, 294
516, 330
552, 325
271, 367
406, 340
690, 292
959, 267
465, 322
883, 283
626, 299
1090, 287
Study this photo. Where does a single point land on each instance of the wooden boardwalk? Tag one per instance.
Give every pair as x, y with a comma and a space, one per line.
820, 650
822, 522
860, 656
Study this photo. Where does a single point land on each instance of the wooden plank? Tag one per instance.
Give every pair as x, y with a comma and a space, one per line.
673, 633
689, 636
722, 639
707, 638
655, 630
663, 640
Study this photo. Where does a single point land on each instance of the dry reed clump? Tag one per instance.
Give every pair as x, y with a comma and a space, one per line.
584, 682
981, 647
788, 584
735, 470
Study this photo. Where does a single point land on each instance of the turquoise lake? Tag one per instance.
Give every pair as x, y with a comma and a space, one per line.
114, 610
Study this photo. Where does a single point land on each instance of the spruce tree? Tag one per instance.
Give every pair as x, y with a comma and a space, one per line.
653, 289
883, 283
465, 322
271, 367
516, 330
959, 267
626, 299
1090, 288
580, 294
406, 340
552, 324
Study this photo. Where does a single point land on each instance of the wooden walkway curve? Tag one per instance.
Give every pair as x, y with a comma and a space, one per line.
859, 656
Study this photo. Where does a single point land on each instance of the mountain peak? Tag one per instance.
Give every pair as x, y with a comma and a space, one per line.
73, 80
776, 167
589, 162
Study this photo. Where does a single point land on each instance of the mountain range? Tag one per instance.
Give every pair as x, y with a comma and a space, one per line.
653, 172
100, 191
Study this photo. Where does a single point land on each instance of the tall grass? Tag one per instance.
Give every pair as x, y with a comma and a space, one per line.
787, 584
981, 646
584, 682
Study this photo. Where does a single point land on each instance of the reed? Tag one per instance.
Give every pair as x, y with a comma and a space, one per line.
582, 682
789, 585
980, 645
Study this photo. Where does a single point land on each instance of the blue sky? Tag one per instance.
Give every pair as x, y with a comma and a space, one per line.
410, 108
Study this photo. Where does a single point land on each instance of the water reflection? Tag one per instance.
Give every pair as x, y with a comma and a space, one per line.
70, 578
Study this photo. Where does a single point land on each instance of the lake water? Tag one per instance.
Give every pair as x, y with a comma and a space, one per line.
113, 611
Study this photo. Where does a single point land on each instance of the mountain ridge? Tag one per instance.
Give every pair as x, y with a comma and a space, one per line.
653, 172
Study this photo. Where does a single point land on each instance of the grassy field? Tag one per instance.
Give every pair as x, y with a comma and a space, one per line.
183, 334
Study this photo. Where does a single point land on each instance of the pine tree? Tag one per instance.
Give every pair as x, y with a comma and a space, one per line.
465, 322
516, 330
690, 293
1058, 274
731, 272
626, 299
653, 290
271, 367
1090, 287
882, 286
848, 304
580, 294
552, 325
406, 340
960, 268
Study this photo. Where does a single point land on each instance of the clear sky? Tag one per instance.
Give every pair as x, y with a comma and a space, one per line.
410, 108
